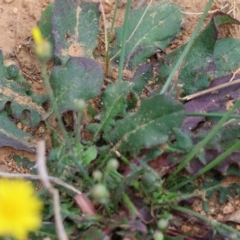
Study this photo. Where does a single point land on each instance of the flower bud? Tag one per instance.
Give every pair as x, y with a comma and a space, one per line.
162, 224
97, 175
100, 193
79, 104
158, 236
113, 164
43, 48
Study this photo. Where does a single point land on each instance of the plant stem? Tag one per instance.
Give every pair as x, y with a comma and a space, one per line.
212, 222
186, 49
106, 39
216, 115
53, 102
132, 209
60, 122
124, 37
218, 160
209, 166
114, 14
185, 160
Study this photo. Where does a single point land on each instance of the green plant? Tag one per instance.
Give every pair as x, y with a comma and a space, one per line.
136, 128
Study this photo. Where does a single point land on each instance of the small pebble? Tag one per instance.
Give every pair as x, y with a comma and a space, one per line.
19, 125
41, 130
8, 62
9, 164
15, 10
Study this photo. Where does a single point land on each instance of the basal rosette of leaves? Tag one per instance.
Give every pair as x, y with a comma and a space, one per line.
131, 121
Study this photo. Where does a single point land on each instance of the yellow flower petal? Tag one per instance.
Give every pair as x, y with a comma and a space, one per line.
37, 35
43, 48
20, 209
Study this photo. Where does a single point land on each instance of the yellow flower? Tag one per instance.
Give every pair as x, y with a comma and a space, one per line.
20, 209
42, 47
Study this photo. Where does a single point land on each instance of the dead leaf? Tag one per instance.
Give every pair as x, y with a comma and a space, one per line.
234, 217
229, 208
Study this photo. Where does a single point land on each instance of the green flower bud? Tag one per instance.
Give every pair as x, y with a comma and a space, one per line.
97, 175
158, 236
80, 104
100, 193
113, 164
162, 224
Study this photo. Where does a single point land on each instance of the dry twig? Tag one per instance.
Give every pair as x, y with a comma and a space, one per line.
41, 166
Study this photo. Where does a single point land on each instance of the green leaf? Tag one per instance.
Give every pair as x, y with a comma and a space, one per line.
199, 65
89, 155
159, 26
114, 104
141, 77
11, 136
227, 56
45, 24
75, 28
183, 141
151, 125
16, 92
216, 185
79, 78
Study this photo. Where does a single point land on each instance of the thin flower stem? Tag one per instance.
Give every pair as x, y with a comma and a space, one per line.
106, 38
219, 159
185, 160
62, 127
215, 224
124, 37
37, 178
53, 102
215, 115
114, 14
186, 49
209, 166
78, 132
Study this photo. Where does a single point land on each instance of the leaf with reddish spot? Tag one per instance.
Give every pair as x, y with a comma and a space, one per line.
75, 28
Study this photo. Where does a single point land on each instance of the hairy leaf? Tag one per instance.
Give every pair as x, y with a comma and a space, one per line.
75, 28
141, 77
45, 24
151, 125
11, 136
199, 65
161, 22
79, 78
16, 91
114, 103
227, 56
